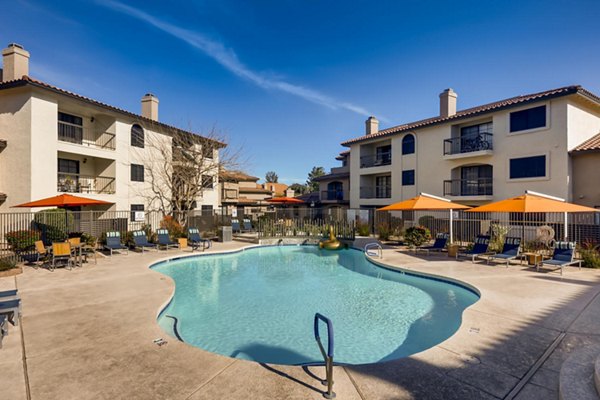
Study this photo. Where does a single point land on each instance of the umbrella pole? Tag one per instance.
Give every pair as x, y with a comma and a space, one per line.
451, 230
566, 235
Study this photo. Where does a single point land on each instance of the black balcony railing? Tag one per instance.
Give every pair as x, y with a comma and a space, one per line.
468, 144
77, 183
376, 160
468, 187
376, 192
332, 195
86, 137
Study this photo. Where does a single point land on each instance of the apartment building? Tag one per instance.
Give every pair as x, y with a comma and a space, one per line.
481, 154
53, 141
242, 193
334, 187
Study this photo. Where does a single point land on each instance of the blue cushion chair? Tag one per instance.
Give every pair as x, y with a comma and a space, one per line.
140, 241
510, 250
563, 255
196, 241
113, 242
480, 247
164, 239
439, 245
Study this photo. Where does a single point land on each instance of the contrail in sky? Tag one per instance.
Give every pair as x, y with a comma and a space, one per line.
229, 60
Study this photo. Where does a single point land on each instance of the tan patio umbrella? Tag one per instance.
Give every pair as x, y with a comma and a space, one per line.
533, 202
426, 202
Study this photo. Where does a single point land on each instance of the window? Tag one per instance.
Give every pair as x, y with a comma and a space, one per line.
137, 173
134, 208
408, 177
383, 187
137, 136
207, 209
70, 128
207, 181
474, 130
528, 167
408, 144
68, 166
528, 119
383, 155
207, 150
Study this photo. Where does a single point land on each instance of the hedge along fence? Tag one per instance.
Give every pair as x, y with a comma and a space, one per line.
20, 230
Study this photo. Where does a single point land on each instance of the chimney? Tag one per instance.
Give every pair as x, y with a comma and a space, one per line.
372, 125
448, 103
150, 106
15, 62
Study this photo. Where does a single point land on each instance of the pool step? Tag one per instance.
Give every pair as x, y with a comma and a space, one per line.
580, 375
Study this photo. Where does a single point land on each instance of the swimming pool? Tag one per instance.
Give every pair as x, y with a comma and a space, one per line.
259, 304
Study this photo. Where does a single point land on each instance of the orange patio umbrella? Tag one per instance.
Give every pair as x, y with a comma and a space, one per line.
533, 202
427, 202
63, 201
285, 200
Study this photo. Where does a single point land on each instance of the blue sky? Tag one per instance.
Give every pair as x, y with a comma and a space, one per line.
287, 81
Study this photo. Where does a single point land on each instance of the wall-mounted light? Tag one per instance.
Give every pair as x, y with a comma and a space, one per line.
84, 160
92, 119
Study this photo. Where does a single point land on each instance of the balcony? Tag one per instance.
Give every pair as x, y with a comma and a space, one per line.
77, 183
468, 145
376, 160
332, 195
480, 187
75, 134
377, 192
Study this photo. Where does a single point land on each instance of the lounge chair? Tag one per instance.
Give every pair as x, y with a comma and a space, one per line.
141, 241
510, 250
235, 226
3, 328
440, 244
196, 241
61, 254
248, 225
12, 308
165, 240
482, 243
113, 242
9, 294
562, 256
42, 253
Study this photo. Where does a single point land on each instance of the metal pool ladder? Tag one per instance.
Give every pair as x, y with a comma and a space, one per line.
374, 246
327, 355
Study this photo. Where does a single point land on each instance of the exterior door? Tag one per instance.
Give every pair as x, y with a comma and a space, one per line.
476, 180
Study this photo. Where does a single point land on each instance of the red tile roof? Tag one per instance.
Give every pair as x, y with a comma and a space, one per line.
236, 176
592, 144
474, 111
26, 80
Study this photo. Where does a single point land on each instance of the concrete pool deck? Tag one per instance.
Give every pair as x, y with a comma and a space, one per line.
88, 334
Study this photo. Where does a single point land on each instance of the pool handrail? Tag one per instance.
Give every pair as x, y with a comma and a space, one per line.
327, 355
374, 245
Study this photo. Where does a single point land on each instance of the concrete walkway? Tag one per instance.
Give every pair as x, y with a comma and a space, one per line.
88, 334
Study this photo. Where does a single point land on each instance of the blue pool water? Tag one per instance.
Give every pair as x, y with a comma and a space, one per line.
259, 305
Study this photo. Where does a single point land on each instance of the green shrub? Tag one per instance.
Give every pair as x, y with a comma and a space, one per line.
590, 255
384, 232
417, 235
23, 240
499, 233
7, 263
54, 224
363, 229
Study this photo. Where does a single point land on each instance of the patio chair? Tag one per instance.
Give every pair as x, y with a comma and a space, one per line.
196, 241
141, 241
164, 239
90, 249
235, 226
42, 253
480, 247
562, 256
9, 294
61, 254
12, 308
440, 244
113, 242
248, 225
510, 250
